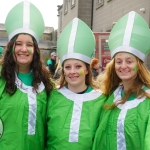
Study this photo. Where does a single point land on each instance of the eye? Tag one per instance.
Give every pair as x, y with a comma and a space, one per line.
67, 67
118, 62
17, 43
30, 44
129, 61
78, 66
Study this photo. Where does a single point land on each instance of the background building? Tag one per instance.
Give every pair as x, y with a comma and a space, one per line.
100, 16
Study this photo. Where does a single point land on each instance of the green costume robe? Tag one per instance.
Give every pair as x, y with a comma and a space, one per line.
126, 127
73, 119
22, 117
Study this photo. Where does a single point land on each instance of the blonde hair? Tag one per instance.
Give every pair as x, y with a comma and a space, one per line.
109, 81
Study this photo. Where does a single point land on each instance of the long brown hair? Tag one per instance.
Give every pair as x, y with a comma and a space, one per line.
40, 73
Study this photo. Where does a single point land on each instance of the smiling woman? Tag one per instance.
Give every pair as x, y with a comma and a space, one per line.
74, 109
25, 82
126, 115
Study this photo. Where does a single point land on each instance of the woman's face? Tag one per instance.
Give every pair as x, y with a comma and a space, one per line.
23, 51
75, 72
126, 66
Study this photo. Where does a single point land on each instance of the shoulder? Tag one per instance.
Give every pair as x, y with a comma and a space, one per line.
49, 62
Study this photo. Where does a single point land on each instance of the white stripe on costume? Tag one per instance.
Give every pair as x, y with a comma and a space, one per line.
78, 100
32, 103
121, 144
73, 35
26, 15
129, 28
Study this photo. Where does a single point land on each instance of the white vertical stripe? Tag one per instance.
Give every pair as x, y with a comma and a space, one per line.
129, 27
75, 121
121, 142
26, 14
78, 100
32, 112
32, 103
73, 35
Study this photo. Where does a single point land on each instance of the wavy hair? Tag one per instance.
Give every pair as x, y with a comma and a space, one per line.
40, 73
109, 81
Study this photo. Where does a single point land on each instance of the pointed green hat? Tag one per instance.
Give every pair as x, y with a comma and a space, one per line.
76, 42
130, 34
24, 18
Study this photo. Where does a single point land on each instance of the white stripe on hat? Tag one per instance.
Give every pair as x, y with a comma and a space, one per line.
129, 27
73, 35
26, 15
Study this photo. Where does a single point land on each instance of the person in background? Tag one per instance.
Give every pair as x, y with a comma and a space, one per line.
74, 109
51, 63
58, 71
95, 67
24, 82
125, 121
1, 52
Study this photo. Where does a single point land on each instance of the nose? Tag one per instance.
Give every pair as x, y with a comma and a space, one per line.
72, 70
124, 65
24, 48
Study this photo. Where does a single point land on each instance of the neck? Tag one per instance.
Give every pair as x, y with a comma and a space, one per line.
77, 89
127, 85
23, 69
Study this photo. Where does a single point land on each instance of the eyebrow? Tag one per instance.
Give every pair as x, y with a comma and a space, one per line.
128, 57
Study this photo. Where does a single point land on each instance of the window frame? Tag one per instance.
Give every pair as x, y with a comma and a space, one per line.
65, 7
73, 4
99, 4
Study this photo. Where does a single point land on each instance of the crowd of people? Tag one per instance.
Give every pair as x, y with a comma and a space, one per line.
88, 109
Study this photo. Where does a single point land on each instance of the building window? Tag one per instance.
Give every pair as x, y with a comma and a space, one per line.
99, 3
65, 6
72, 3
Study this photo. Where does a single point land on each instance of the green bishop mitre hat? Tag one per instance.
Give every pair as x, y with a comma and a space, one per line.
76, 42
24, 18
130, 34
1, 51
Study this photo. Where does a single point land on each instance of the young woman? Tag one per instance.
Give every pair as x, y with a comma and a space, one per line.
126, 115
24, 84
74, 109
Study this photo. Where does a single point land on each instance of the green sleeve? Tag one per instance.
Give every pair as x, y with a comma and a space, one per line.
147, 136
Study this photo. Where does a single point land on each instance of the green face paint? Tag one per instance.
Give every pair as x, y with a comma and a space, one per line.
135, 69
81, 72
30, 50
13, 50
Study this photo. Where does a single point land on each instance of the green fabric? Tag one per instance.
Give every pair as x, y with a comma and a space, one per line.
26, 78
14, 112
89, 89
76, 41
16, 23
59, 117
136, 127
124, 39
1, 51
49, 62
